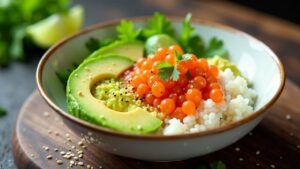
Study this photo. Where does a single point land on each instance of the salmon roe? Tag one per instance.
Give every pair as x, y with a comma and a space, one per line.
178, 98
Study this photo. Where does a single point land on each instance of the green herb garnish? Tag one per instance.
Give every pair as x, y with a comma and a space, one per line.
94, 44
2, 112
192, 43
170, 72
63, 75
158, 24
126, 31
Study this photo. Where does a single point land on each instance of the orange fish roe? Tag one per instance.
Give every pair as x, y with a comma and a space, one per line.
197, 81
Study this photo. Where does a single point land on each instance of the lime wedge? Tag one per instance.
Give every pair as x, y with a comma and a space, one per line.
57, 26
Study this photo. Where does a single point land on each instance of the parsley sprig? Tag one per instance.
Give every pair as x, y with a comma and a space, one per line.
168, 71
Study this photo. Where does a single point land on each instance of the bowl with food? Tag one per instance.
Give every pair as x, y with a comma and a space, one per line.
158, 88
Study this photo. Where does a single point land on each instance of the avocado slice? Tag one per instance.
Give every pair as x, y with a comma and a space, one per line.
133, 49
84, 105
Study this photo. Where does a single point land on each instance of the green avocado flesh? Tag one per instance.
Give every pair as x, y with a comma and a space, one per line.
133, 50
84, 105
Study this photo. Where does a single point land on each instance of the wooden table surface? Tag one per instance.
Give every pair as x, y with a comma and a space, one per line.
282, 36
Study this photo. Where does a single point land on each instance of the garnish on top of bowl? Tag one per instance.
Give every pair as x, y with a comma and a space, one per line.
151, 81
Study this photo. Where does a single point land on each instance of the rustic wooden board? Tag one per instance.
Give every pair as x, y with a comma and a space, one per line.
274, 143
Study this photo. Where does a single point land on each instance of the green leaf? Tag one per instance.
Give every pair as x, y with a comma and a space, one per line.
126, 31
158, 24
165, 73
189, 42
63, 75
217, 165
175, 74
94, 44
187, 30
2, 112
164, 64
215, 47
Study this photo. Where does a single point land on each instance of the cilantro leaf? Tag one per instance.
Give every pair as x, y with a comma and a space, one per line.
94, 44
2, 112
158, 24
164, 64
63, 75
190, 43
168, 71
175, 74
187, 30
165, 73
126, 31
215, 47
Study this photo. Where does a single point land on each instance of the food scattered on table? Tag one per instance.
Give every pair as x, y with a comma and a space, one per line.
151, 81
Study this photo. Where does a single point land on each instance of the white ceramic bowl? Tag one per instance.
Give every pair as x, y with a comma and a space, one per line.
257, 61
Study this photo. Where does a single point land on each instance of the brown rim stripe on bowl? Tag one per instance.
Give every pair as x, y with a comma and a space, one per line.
108, 131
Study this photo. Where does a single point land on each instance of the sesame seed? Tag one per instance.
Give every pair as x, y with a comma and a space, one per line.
241, 159
80, 152
88, 166
237, 149
80, 155
257, 152
67, 156
73, 147
272, 166
46, 114
76, 158
80, 143
280, 157
59, 162
288, 117
32, 155
72, 162
49, 131
257, 164
62, 153
55, 150
80, 163
56, 133
46, 148
49, 157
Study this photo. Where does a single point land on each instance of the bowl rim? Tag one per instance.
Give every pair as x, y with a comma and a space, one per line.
112, 132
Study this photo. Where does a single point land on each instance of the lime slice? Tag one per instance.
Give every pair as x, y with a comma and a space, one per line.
57, 26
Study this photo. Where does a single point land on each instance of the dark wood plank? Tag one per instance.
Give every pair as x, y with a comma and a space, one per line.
276, 141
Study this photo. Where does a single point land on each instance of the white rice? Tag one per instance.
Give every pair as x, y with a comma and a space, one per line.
238, 103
